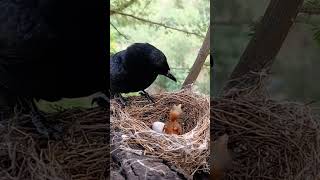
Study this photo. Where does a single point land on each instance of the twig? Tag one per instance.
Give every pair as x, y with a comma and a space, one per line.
119, 31
248, 22
310, 11
125, 5
231, 22
155, 23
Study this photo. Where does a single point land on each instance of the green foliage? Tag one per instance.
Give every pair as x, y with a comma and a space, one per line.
113, 45
316, 33
311, 4
253, 26
64, 104
309, 7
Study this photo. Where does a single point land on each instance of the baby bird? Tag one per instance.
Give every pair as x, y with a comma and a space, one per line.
172, 126
220, 158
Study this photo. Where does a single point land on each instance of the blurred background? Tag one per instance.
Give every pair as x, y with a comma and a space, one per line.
295, 74
176, 27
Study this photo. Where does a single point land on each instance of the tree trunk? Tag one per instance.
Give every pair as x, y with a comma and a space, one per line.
265, 43
201, 58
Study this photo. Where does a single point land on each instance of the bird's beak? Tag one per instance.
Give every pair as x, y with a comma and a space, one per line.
170, 76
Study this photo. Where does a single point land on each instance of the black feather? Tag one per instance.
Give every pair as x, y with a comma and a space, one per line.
136, 68
52, 49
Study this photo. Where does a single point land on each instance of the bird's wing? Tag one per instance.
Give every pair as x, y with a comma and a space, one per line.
118, 72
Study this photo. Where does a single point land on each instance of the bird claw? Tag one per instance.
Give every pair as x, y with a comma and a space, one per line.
53, 131
145, 94
120, 99
101, 101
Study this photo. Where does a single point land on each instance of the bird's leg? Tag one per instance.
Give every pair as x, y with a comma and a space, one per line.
120, 97
49, 130
145, 94
102, 101
39, 121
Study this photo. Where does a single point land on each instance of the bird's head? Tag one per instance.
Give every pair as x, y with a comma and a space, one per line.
150, 58
159, 60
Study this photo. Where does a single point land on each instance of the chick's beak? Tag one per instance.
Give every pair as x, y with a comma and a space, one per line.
170, 76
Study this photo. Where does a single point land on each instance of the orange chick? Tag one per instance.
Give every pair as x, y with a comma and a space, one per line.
172, 126
220, 158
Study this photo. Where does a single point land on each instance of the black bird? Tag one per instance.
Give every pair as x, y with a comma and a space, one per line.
51, 49
136, 68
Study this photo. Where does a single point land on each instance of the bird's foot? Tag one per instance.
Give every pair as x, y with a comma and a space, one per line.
145, 94
48, 130
101, 101
120, 99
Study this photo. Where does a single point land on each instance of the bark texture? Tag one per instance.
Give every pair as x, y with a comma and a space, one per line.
198, 64
265, 43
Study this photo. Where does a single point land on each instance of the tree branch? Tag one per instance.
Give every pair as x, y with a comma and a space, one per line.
249, 22
119, 31
310, 11
231, 22
112, 12
124, 6
263, 47
198, 64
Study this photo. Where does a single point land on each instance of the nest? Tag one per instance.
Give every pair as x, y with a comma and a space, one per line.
268, 139
83, 153
188, 152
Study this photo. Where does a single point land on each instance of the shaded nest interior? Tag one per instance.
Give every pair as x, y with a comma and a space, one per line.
82, 154
188, 152
268, 139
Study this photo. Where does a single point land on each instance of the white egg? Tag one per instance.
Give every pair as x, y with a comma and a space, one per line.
124, 137
158, 126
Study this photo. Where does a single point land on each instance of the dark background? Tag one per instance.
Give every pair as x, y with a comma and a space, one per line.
295, 71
